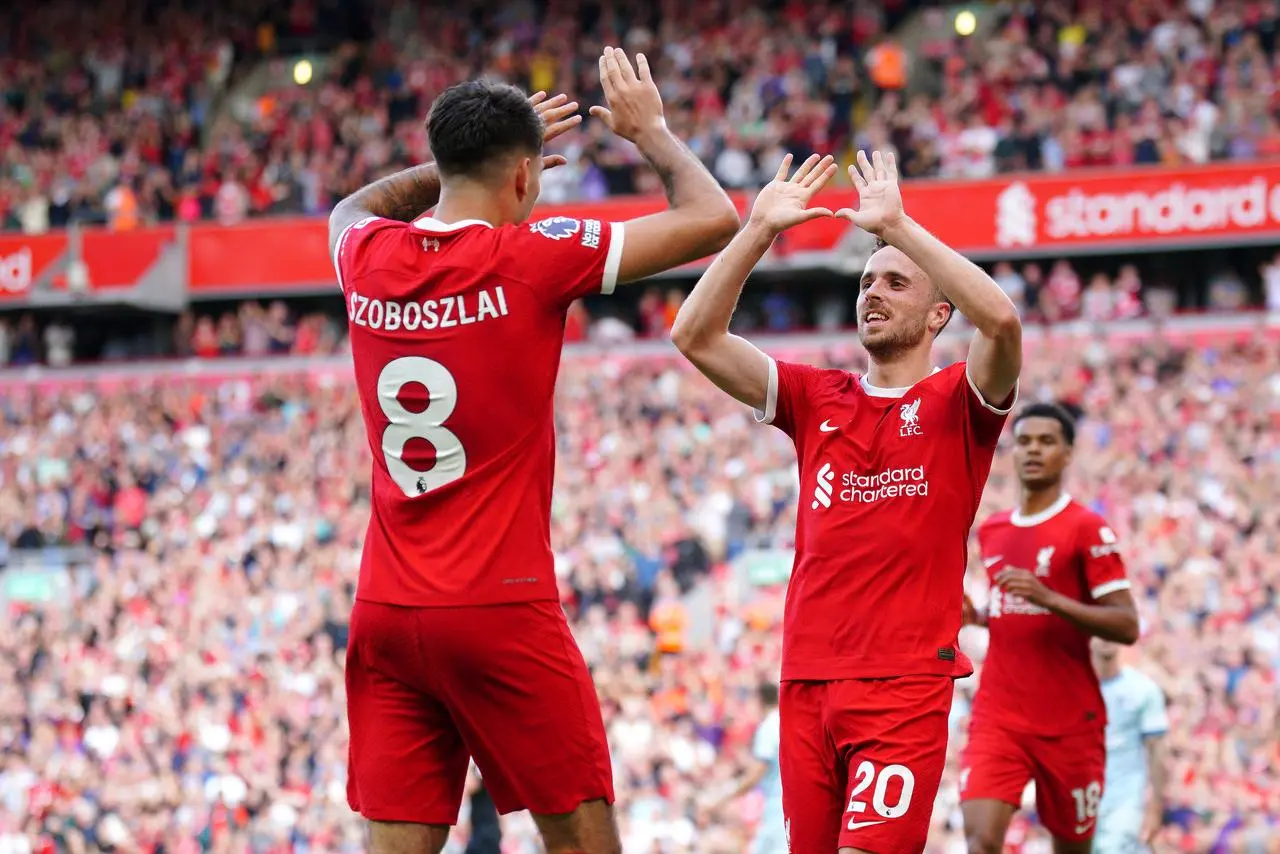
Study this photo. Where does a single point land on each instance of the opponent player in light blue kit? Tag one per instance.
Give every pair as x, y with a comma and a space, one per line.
771, 833
1132, 808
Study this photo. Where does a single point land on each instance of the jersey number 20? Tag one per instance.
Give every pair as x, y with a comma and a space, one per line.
426, 425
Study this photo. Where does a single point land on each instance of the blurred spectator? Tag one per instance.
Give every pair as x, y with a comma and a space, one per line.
194, 663
140, 128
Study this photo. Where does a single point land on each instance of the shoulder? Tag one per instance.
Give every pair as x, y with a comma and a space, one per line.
1089, 523
995, 521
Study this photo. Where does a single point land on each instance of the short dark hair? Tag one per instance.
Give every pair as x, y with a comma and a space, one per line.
769, 693
1050, 410
938, 295
472, 124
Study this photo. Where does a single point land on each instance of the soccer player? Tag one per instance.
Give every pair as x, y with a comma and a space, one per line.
458, 643
770, 835
1132, 809
892, 464
1056, 579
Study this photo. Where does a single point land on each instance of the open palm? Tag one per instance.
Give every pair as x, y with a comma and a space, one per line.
879, 199
784, 202
559, 115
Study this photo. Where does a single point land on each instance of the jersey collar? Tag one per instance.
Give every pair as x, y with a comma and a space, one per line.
878, 391
430, 223
1020, 521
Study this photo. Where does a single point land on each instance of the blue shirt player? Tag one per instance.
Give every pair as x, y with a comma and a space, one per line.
764, 773
1132, 809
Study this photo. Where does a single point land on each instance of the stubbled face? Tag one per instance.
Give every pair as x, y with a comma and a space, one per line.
1040, 452
897, 305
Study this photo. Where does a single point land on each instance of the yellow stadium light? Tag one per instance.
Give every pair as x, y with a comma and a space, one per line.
302, 71
966, 23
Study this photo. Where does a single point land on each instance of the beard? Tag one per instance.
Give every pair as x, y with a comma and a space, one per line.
886, 344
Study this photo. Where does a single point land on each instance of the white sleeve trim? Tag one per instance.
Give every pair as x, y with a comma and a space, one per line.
613, 260
978, 394
337, 254
1109, 587
342, 240
770, 396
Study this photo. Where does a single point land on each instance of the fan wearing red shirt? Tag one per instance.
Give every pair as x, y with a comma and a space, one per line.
892, 465
458, 645
1056, 580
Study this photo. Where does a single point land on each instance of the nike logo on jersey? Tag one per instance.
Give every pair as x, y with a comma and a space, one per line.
1083, 828
826, 427
988, 562
858, 825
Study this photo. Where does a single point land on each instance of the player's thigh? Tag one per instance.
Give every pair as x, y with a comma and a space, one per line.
891, 735
406, 759
522, 697
1069, 775
391, 837
813, 780
589, 829
986, 821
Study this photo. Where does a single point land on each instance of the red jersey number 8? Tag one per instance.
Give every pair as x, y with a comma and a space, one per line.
425, 425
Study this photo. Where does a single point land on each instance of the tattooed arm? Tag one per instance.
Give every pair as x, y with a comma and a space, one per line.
404, 197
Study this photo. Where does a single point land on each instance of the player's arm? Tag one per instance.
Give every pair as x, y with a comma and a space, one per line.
409, 193
995, 356
701, 329
700, 218
1153, 724
1112, 616
973, 615
1153, 820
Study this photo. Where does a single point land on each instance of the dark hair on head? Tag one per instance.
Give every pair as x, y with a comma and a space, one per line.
938, 295
1050, 410
475, 123
769, 693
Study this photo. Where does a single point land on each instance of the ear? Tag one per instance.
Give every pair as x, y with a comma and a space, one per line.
938, 317
523, 177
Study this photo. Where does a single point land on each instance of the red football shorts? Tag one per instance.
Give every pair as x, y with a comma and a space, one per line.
429, 687
861, 760
1068, 770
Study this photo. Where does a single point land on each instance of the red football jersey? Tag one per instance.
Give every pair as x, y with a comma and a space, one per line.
890, 482
1038, 677
456, 333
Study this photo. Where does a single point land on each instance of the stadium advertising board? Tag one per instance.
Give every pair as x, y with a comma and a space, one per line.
24, 259
1014, 216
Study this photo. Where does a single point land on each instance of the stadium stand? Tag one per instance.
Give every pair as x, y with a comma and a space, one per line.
126, 124
179, 542
214, 528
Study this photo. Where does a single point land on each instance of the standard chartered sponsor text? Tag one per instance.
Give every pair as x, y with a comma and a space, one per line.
1175, 208
890, 483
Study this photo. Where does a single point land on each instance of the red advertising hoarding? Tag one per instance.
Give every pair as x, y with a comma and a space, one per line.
24, 259
1078, 212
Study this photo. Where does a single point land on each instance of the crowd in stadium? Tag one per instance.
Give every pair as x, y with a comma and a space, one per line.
1045, 293
118, 112
199, 666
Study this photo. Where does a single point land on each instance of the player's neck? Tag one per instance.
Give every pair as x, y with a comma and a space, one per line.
469, 202
1034, 501
903, 371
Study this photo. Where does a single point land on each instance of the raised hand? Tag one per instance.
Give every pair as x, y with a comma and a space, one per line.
558, 115
784, 201
634, 103
879, 199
